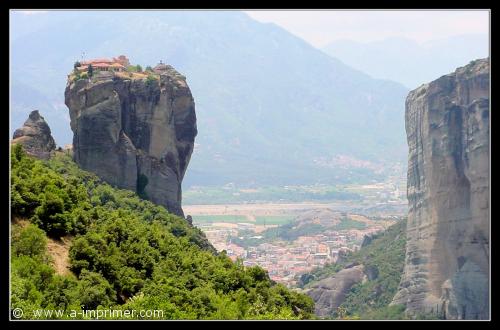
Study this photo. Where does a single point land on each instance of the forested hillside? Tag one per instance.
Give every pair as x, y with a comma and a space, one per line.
125, 253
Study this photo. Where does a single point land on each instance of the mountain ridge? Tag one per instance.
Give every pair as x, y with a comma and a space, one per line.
264, 83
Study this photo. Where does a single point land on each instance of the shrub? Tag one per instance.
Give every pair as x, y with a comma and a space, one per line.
61, 293
50, 215
95, 291
29, 242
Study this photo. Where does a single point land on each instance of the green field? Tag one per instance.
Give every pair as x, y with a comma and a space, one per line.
219, 218
259, 220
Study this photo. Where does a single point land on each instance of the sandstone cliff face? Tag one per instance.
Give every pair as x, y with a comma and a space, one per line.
330, 293
135, 134
35, 136
447, 258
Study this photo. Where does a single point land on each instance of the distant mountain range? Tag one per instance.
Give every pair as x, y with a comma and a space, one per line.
408, 62
270, 106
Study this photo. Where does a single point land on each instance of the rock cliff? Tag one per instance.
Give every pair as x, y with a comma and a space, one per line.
330, 293
35, 136
134, 133
447, 258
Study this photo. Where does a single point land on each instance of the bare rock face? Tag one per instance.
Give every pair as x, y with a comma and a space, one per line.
35, 136
330, 293
135, 134
447, 258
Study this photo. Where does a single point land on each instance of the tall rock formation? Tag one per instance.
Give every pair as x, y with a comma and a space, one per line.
35, 136
135, 133
447, 257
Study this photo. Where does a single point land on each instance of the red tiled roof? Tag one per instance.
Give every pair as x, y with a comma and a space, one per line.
98, 60
101, 65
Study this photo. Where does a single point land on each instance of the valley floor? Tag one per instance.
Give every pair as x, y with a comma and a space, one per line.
289, 239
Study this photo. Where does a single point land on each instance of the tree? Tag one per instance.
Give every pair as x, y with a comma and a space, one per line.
50, 215
139, 68
95, 291
90, 70
18, 152
29, 242
76, 65
149, 68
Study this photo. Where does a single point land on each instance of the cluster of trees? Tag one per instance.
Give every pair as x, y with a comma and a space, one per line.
134, 68
126, 253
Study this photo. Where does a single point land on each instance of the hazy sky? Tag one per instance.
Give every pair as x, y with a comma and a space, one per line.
319, 27
322, 27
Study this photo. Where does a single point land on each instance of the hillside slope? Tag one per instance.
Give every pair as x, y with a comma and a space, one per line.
126, 254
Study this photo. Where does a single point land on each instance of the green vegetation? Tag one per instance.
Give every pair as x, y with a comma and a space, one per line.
348, 223
134, 68
386, 312
290, 230
285, 232
151, 80
219, 218
90, 70
279, 194
384, 259
127, 253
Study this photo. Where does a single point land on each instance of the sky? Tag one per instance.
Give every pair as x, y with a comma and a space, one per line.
321, 27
